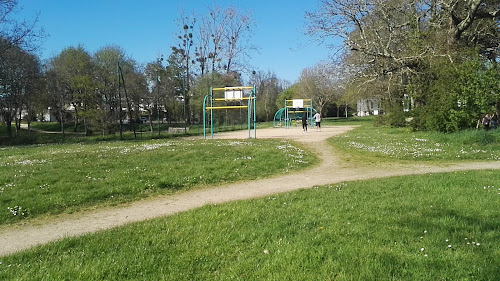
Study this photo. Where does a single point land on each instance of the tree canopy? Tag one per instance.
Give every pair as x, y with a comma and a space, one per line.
399, 47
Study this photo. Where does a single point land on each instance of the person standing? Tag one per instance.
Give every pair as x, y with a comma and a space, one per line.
304, 123
486, 122
317, 119
494, 120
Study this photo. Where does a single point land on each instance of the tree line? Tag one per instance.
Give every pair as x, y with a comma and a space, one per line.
101, 91
439, 58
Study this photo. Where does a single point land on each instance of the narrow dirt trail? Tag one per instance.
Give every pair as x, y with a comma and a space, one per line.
329, 171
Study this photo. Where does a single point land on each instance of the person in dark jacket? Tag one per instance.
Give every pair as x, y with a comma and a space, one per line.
304, 123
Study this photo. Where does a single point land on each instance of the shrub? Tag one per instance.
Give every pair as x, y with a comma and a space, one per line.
452, 97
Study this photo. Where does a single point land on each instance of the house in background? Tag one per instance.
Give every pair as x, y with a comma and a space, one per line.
369, 106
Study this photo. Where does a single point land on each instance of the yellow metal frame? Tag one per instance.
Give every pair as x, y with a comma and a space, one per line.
219, 99
226, 107
232, 88
251, 106
307, 108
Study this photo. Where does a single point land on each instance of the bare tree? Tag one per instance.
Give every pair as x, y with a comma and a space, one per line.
202, 49
19, 72
23, 34
319, 83
268, 89
184, 49
401, 32
237, 37
391, 41
217, 29
17, 65
222, 39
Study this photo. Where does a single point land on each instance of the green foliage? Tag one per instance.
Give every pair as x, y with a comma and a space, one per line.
202, 88
427, 227
287, 94
394, 116
452, 97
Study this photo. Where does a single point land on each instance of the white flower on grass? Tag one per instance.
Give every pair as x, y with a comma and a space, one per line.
449, 246
425, 255
425, 231
266, 251
422, 249
478, 244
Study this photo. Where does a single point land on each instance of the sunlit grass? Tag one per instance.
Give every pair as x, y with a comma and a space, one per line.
383, 143
51, 179
428, 227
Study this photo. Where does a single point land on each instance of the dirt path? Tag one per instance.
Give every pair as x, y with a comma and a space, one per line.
330, 170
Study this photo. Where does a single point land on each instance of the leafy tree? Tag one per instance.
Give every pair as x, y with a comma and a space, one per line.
453, 96
288, 94
106, 61
74, 68
166, 86
56, 95
135, 89
202, 87
393, 44
175, 91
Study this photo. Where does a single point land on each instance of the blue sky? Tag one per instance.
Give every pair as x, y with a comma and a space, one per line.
145, 29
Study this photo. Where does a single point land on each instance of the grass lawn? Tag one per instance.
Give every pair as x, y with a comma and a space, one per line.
428, 227
370, 143
43, 180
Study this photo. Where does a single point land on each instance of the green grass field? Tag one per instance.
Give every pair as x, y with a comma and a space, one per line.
370, 143
428, 227
43, 180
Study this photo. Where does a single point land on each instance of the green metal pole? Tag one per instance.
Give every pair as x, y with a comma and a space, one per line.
254, 112
211, 114
204, 118
249, 114
286, 116
158, 100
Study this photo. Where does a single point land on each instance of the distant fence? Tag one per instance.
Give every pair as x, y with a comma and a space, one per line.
176, 130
